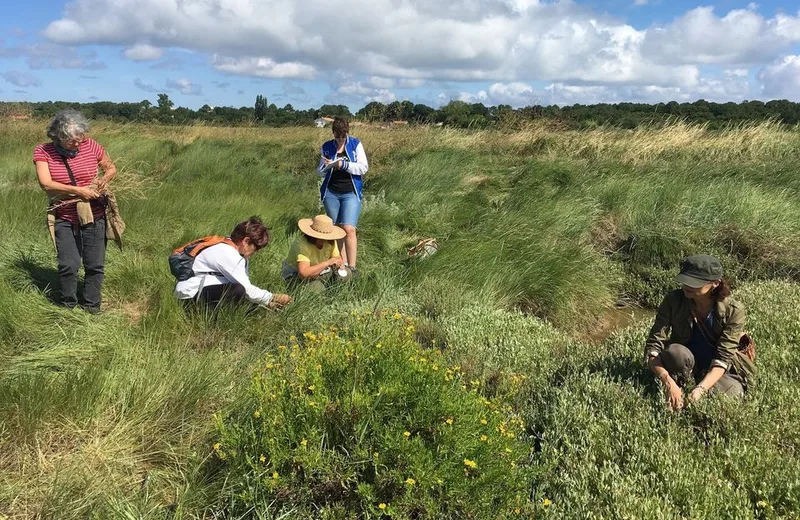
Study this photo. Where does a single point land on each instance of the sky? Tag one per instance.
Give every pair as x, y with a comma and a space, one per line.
308, 52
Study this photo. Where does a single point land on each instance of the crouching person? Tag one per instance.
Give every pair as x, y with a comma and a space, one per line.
696, 336
215, 270
314, 257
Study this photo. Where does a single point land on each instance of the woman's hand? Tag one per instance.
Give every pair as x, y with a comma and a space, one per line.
697, 394
674, 396
87, 193
279, 301
336, 261
102, 184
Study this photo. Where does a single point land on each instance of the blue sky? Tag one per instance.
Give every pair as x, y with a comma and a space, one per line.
518, 52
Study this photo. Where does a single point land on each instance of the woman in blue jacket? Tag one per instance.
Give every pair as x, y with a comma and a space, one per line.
343, 165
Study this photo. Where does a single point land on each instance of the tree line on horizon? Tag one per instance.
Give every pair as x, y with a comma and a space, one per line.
455, 113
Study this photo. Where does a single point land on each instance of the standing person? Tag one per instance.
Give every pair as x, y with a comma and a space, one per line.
696, 335
343, 165
67, 169
314, 254
220, 273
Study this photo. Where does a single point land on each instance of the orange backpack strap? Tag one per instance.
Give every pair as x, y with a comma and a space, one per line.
195, 247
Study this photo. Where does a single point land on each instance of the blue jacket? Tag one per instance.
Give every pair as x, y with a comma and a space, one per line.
356, 164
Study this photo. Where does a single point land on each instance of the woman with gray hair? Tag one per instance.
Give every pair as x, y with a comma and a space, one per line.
67, 169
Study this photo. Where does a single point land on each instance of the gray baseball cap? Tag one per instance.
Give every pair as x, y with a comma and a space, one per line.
698, 270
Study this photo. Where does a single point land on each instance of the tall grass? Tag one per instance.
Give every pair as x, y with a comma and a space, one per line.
540, 233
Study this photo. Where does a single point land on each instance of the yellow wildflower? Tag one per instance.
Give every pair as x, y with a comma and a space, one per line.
257, 414
517, 511
217, 446
397, 315
311, 387
262, 459
484, 421
303, 442
382, 506
547, 502
410, 481
484, 438
449, 420
406, 434
375, 454
470, 463
275, 475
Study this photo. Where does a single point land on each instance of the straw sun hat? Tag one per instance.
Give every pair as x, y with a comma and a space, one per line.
322, 227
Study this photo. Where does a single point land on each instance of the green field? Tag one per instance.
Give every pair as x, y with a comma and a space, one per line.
491, 380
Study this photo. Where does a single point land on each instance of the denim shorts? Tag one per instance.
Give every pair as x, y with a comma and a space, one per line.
342, 208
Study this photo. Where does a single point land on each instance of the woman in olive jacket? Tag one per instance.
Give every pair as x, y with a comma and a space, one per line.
696, 336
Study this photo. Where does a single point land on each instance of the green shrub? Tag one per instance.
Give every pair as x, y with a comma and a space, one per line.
361, 419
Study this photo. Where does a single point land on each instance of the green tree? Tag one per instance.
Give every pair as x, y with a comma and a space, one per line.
261, 108
165, 104
373, 112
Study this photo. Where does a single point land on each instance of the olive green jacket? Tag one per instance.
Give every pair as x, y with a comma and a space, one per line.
673, 324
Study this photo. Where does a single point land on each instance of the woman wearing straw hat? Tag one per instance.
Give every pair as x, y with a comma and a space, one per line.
698, 334
314, 254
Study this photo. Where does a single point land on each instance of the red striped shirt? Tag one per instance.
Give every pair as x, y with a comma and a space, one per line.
84, 167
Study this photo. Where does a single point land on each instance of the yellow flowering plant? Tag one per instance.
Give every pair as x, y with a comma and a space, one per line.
356, 425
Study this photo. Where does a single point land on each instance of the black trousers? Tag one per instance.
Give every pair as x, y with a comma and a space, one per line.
222, 294
73, 244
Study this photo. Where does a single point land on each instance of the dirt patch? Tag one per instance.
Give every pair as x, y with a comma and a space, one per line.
476, 180
615, 318
133, 311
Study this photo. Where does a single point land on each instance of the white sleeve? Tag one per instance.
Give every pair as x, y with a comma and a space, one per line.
234, 268
361, 166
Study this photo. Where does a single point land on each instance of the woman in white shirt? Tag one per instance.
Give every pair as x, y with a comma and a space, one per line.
221, 272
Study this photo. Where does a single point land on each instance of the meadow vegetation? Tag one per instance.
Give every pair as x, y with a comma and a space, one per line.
463, 385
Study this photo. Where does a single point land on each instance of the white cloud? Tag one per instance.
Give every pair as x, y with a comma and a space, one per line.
516, 94
21, 79
741, 36
143, 52
382, 96
782, 79
184, 86
730, 86
263, 67
52, 56
393, 45
351, 90
145, 86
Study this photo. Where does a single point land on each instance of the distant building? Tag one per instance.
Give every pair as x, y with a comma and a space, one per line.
19, 116
322, 122
399, 123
